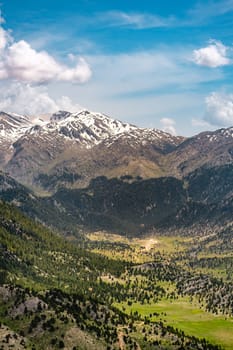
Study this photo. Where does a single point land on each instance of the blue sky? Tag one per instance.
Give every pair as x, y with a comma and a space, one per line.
156, 64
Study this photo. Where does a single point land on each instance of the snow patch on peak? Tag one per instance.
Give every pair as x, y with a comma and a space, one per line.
83, 127
14, 118
12, 127
87, 128
143, 136
218, 135
228, 132
98, 120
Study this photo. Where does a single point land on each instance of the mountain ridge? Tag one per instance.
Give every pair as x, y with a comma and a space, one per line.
79, 140
64, 122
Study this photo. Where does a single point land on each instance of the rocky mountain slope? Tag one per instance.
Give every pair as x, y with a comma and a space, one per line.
12, 127
208, 149
81, 144
72, 148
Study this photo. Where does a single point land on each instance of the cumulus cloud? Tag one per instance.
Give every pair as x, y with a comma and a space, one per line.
19, 61
214, 55
219, 109
168, 125
33, 100
66, 104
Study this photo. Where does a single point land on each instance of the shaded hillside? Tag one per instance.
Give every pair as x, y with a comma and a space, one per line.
204, 197
207, 149
41, 209
52, 298
30, 249
211, 185
119, 205
131, 205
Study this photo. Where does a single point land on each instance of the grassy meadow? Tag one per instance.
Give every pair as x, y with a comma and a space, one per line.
183, 312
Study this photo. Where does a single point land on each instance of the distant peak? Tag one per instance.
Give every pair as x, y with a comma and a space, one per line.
84, 112
3, 113
15, 118
59, 115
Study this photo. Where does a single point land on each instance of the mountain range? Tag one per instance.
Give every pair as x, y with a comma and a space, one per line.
74, 148
90, 170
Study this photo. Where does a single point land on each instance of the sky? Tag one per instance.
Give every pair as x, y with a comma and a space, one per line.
161, 64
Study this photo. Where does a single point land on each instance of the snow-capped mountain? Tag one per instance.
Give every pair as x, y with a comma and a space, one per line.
91, 128
86, 128
12, 126
72, 148
86, 143
142, 136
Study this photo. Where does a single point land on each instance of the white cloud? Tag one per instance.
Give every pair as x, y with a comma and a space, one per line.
203, 11
200, 14
144, 71
33, 100
80, 73
135, 20
142, 87
4, 38
199, 122
219, 109
139, 87
168, 125
65, 104
19, 61
214, 55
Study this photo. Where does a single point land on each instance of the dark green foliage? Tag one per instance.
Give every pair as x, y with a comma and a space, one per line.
36, 253
137, 206
130, 206
118, 205
211, 185
58, 179
3, 276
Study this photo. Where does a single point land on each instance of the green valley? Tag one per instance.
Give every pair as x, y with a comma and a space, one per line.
108, 291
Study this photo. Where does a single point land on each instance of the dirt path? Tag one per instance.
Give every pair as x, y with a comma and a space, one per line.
121, 342
150, 243
122, 345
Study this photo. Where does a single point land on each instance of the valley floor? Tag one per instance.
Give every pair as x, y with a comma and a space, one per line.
188, 311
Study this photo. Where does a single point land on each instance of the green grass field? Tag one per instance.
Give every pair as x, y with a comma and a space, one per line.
188, 317
182, 313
